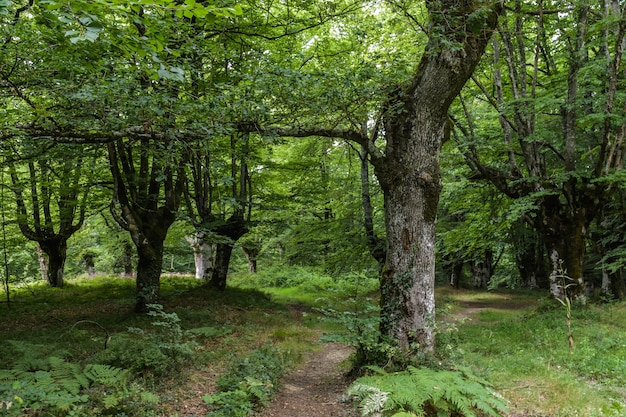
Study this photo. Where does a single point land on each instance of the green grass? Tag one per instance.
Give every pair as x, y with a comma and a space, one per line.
524, 352
515, 340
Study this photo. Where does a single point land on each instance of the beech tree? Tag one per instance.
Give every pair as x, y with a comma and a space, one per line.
51, 195
413, 122
560, 142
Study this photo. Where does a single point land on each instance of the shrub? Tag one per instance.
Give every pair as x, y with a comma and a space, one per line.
163, 350
247, 384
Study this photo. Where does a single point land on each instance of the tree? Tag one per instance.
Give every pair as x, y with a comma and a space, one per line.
147, 195
414, 123
51, 198
560, 123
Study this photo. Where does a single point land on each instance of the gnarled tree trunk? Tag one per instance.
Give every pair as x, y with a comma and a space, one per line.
416, 125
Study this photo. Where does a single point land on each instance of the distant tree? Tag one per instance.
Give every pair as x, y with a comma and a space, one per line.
556, 97
50, 185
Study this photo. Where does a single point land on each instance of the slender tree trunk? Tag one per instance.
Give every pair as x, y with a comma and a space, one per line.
375, 244
251, 256
43, 263
456, 274
127, 259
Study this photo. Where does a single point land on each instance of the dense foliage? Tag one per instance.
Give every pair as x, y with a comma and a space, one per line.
144, 138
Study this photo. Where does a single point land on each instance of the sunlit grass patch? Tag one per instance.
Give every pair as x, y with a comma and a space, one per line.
526, 356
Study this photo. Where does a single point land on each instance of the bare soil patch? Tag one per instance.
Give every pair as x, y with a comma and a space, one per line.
316, 388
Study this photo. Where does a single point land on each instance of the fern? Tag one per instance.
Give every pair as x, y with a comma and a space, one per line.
426, 392
106, 375
49, 385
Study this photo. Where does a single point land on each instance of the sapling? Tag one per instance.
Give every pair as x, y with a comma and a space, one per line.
567, 303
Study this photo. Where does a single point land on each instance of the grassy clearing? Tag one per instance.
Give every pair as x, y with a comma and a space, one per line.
524, 352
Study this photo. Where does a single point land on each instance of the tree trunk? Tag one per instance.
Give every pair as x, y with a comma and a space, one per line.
482, 269
411, 184
618, 286
233, 229
415, 126
375, 244
222, 260
203, 254
251, 256
56, 253
43, 263
456, 274
563, 229
127, 259
149, 266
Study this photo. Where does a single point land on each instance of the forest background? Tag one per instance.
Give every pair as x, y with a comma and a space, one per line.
141, 138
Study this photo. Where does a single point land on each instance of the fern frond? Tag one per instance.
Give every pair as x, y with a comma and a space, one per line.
106, 375
371, 399
424, 391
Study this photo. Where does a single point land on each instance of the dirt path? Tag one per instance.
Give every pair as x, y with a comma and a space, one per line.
316, 388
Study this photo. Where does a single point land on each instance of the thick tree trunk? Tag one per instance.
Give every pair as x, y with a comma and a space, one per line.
482, 270
618, 286
148, 280
222, 260
233, 229
411, 184
563, 229
56, 253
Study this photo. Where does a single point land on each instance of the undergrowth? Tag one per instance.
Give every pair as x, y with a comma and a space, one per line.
248, 384
39, 384
425, 392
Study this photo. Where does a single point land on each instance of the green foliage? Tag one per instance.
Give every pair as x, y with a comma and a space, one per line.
162, 351
248, 383
49, 385
425, 392
359, 329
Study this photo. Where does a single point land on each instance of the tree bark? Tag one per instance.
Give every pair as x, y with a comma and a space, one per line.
149, 267
375, 244
56, 253
233, 229
43, 263
416, 125
203, 254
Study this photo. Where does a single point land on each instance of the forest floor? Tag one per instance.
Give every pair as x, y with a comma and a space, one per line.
316, 388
